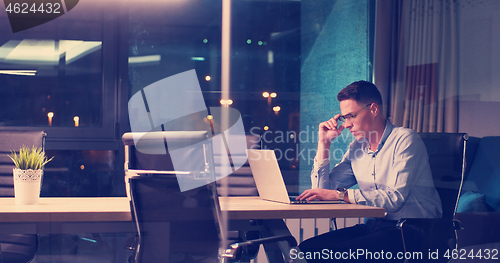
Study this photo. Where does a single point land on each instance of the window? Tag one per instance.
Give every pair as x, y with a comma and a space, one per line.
58, 76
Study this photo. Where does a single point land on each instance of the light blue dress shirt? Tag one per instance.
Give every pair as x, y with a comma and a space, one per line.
396, 177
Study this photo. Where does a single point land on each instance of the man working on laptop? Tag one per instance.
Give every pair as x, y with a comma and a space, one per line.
389, 164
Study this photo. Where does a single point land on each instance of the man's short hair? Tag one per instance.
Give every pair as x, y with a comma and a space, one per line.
363, 92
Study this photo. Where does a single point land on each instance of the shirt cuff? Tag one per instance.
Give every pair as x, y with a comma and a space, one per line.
350, 195
321, 163
315, 174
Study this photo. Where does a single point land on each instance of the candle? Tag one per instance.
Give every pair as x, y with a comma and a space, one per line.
77, 121
50, 115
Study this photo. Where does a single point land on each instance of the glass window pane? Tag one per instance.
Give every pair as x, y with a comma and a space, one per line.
51, 74
83, 173
288, 60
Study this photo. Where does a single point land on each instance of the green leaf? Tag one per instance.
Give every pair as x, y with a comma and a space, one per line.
27, 158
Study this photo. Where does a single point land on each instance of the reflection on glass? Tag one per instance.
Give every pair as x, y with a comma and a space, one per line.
37, 52
53, 68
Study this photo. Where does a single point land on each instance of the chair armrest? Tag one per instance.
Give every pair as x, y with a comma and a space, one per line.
425, 224
233, 252
131, 244
433, 233
479, 228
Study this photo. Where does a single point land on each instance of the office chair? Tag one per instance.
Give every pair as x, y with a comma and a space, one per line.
174, 225
448, 157
480, 215
16, 247
241, 183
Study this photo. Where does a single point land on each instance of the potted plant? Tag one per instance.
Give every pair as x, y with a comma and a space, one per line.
28, 174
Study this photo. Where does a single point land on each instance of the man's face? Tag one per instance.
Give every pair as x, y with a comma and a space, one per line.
359, 118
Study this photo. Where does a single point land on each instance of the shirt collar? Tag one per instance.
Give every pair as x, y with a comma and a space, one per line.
387, 131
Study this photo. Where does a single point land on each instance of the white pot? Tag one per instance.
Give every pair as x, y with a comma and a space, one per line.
27, 185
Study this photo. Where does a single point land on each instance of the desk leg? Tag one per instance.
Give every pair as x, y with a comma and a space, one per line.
276, 252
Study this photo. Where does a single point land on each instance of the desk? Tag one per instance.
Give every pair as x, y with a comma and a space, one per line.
67, 209
250, 207
239, 209
61, 215
112, 214
117, 209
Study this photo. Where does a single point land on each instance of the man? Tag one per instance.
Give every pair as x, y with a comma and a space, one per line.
388, 163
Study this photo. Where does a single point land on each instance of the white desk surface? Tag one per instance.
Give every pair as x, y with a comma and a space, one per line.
66, 209
255, 208
117, 209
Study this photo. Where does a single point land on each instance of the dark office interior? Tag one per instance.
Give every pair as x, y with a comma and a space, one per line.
73, 77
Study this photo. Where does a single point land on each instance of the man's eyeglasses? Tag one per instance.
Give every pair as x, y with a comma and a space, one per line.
350, 116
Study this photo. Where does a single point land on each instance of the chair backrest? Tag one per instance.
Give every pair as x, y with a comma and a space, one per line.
172, 224
484, 175
12, 140
447, 159
240, 182
152, 150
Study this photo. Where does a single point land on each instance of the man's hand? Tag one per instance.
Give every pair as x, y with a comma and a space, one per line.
329, 130
318, 194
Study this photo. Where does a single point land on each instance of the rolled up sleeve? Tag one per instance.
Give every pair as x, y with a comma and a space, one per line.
320, 173
341, 176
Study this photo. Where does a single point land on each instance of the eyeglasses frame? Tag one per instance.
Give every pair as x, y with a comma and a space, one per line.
349, 116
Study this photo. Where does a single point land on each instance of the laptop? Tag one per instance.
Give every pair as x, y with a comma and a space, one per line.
269, 181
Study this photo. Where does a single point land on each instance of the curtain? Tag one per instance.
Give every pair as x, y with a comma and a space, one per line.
416, 67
